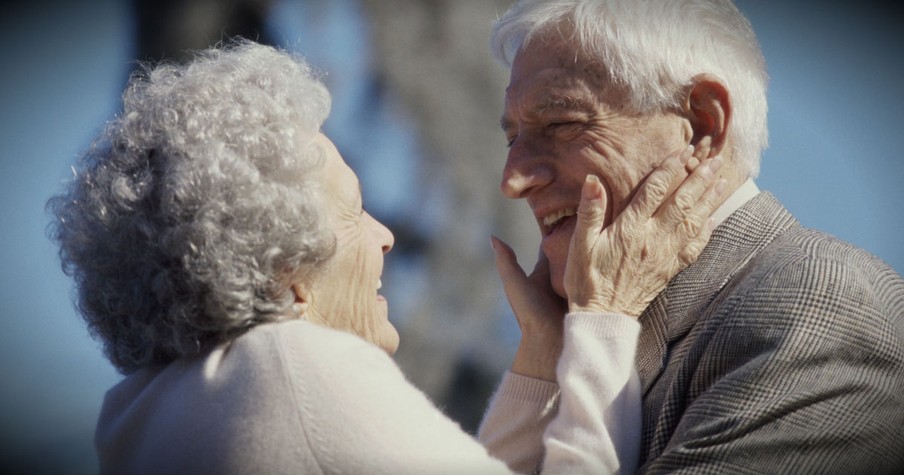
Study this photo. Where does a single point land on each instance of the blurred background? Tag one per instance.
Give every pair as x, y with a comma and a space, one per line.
417, 99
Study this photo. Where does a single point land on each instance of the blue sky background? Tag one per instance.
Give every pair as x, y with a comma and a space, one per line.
836, 101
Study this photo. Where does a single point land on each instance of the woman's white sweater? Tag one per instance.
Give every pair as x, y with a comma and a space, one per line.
295, 397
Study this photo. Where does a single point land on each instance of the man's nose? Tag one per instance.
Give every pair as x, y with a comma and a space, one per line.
525, 171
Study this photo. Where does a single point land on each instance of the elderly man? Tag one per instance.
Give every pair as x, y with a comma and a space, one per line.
781, 350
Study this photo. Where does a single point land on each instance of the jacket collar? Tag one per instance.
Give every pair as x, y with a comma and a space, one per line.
676, 309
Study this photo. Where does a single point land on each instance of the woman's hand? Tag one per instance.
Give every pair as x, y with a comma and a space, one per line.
623, 267
537, 308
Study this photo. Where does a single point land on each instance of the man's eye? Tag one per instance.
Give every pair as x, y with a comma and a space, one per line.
564, 127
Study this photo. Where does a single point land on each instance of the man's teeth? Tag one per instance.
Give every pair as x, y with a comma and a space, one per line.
379, 284
558, 215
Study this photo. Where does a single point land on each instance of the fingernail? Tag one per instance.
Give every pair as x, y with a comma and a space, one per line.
720, 186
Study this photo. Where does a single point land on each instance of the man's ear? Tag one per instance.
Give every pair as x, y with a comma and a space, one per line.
708, 108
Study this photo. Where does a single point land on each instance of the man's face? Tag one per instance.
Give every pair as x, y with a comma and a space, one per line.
562, 123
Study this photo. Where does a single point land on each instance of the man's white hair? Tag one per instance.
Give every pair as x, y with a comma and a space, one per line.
652, 49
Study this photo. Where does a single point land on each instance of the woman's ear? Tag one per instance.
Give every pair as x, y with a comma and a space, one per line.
708, 108
302, 300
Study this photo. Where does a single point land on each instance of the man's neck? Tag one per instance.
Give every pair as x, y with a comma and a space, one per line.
737, 199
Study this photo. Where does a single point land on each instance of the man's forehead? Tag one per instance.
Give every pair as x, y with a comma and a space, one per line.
554, 93
548, 73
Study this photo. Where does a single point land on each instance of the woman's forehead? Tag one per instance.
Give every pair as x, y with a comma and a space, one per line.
340, 180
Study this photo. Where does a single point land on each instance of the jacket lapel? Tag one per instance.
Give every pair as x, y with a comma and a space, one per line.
676, 309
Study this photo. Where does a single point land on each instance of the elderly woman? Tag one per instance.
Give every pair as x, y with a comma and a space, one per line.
223, 257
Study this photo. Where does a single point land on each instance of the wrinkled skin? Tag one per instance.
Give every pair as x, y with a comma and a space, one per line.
345, 294
619, 268
581, 162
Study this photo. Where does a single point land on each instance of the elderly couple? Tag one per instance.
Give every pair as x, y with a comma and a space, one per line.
678, 319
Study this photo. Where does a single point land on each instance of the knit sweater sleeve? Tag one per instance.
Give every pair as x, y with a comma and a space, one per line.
512, 427
360, 414
593, 426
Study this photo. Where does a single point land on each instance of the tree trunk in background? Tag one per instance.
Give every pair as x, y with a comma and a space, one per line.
435, 55
169, 29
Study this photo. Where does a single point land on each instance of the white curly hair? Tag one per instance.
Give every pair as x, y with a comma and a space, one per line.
194, 212
653, 49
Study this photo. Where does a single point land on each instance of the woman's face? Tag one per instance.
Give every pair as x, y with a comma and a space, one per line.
344, 294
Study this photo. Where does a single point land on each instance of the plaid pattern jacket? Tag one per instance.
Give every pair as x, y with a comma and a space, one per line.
781, 350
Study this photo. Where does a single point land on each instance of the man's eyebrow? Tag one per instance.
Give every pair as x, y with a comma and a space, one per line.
563, 102
553, 103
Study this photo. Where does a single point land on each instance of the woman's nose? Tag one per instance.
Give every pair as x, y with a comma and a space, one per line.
387, 238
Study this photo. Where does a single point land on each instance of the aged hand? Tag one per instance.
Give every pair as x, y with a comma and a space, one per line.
539, 312
623, 267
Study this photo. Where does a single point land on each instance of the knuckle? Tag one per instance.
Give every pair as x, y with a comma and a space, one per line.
684, 202
654, 190
687, 256
689, 226
657, 190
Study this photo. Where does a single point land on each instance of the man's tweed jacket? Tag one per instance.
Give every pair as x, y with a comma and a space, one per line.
781, 350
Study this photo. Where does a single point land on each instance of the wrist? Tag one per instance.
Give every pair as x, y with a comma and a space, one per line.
599, 307
537, 358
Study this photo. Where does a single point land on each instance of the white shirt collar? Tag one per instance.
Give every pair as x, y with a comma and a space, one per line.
737, 199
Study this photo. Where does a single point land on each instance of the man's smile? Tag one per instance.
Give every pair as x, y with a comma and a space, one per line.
551, 221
